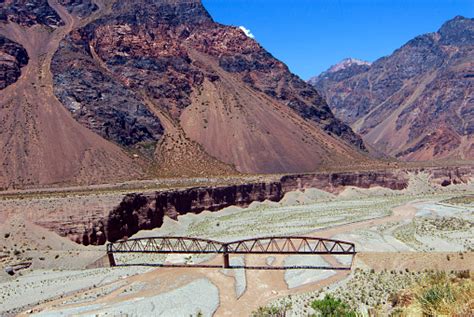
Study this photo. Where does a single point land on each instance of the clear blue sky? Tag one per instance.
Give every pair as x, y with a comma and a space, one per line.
311, 35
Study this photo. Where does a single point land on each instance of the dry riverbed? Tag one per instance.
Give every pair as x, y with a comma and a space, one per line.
421, 220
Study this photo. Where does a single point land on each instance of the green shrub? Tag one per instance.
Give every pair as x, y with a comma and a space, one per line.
332, 307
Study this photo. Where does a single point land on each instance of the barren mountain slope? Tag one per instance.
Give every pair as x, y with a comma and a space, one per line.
416, 104
40, 141
228, 94
159, 79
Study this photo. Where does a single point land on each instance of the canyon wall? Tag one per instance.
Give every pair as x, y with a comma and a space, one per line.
448, 176
335, 182
139, 211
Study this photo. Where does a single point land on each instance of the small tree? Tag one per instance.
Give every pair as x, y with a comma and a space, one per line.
332, 307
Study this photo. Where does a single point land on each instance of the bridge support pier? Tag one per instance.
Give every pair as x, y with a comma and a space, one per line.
110, 256
226, 257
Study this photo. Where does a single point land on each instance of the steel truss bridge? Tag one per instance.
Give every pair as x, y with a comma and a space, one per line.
286, 245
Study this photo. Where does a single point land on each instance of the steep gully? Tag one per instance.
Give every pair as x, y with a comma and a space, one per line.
140, 211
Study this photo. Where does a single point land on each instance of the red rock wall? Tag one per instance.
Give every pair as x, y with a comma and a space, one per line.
452, 175
139, 211
146, 211
335, 182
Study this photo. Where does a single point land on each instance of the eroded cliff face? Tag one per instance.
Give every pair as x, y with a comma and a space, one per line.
140, 211
448, 176
335, 182
146, 211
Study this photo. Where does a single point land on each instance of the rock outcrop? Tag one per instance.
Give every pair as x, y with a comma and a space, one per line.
29, 12
416, 104
137, 211
345, 69
41, 142
448, 176
13, 57
100, 102
334, 182
81, 8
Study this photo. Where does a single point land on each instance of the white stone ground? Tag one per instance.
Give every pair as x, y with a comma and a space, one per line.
39, 285
199, 296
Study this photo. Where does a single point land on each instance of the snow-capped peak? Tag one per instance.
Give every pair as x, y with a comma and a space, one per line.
347, 62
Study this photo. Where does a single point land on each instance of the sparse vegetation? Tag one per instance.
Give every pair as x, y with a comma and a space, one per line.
450, 229
364, 291
460, 200
368, 291
272, 311
332, 307
394, 293
440, 294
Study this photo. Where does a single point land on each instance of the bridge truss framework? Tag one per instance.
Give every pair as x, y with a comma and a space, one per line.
283, 245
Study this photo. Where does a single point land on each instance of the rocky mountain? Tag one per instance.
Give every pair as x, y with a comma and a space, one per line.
115, 90
416, 104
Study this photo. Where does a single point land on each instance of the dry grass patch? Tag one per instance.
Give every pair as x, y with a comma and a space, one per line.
440, 294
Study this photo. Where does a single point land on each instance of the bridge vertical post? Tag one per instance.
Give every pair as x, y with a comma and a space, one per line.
110, 255
226, 256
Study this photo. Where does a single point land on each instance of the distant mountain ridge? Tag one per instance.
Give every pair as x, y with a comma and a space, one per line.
416, 104
344, 64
